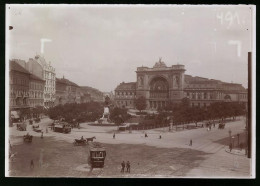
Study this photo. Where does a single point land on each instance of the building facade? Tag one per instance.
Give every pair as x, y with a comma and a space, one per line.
36, 91
161, 85
69, 92
19, 86
40, 68
125, 93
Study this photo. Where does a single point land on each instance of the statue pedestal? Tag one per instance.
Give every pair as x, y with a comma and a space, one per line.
105, 118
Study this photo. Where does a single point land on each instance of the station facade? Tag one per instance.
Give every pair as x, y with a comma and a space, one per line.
161, 85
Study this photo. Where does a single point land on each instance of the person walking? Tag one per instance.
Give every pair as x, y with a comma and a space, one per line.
123, 166
160, 136
114, 136
191, 142
42, 135
128, 166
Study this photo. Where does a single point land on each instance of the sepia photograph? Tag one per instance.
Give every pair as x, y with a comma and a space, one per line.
130, 91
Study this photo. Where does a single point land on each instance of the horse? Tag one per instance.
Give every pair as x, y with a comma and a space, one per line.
90, 139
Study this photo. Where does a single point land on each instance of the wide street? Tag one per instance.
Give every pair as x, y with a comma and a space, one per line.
170, 156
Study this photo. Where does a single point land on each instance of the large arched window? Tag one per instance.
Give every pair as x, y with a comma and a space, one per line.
159, 88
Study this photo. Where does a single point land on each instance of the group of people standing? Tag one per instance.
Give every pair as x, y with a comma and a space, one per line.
127, 165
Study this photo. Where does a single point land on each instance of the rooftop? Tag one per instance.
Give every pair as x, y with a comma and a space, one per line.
36, 78
16, 67
125, 86
66, 81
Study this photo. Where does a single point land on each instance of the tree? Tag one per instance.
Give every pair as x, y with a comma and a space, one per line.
140, 103
119, 115
185, 102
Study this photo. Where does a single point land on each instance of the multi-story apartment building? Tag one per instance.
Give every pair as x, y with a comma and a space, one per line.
19, 86
40, 68
68, 92
36, 91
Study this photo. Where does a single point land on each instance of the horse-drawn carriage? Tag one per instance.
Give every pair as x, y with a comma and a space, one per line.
97, 155
221, 126
27, 138
83, 141
21, 126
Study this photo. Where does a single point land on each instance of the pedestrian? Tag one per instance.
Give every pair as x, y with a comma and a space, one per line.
210, 127
214, 125
128, 166
123, 166
191, 142
114, 136
145, 135
32, 164
160, 137
42, 135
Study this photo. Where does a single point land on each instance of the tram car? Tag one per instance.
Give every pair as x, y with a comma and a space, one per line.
97, 155
62, 127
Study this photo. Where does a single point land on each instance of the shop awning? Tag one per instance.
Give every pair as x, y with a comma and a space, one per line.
14, 114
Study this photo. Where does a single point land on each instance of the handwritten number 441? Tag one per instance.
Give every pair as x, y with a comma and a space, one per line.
229, 18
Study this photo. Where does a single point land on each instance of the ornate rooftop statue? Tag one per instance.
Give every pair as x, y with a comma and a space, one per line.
160, 64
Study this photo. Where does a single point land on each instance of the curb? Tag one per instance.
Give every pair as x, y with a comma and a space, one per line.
235, 152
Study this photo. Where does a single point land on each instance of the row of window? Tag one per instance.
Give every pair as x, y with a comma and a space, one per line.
19, 81
18, 102
126, 103
50, 82
122, 96
199, 95
243, 96
36, 86
34, 103
19, 93
47, 89
36, 94
201, 86
49, 75
125, 93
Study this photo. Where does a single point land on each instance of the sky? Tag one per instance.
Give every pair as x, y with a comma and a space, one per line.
102, 45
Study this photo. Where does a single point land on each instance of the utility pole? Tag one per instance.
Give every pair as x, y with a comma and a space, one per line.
249, 106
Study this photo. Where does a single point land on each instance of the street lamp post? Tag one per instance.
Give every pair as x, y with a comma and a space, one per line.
233, 137
229, 136
238, 139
